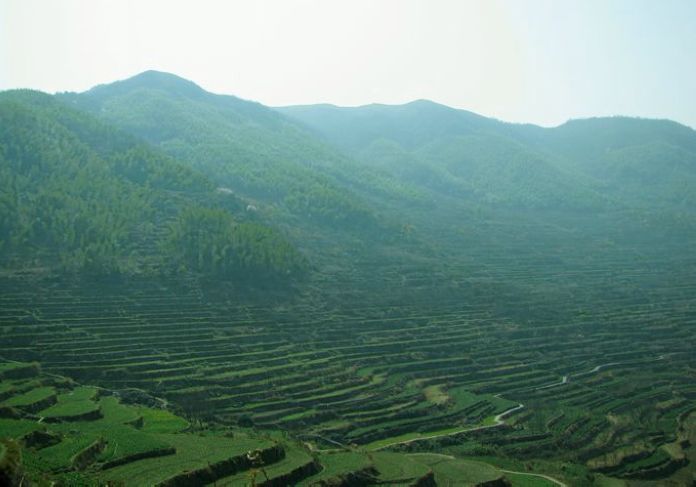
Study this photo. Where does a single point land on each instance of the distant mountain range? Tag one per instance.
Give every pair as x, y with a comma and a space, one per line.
377, 181
618, 160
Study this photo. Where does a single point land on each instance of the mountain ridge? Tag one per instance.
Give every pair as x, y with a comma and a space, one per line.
162, 79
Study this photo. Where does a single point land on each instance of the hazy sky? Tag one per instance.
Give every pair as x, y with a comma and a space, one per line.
540, 61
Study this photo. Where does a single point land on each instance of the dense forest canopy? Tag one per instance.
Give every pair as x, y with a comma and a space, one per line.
104, 178
81, 195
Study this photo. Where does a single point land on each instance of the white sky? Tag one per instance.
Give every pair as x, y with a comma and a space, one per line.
539, 61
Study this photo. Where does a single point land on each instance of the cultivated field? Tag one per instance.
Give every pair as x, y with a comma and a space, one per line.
590, 363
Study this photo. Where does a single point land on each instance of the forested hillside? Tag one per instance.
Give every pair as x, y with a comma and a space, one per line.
240, 144
81, 196
600, 164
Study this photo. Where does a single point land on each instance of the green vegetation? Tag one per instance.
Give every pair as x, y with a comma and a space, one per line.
239, 144
160, 421
341, 466
15, 428
197, 289
453, 471
393, 469
131, 442
526, 480
82, 196
74, 404
211, 242
192, 451
31, 398
584, 164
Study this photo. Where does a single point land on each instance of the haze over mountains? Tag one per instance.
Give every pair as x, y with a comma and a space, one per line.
455, 149
377, 178
332, 178
594, 156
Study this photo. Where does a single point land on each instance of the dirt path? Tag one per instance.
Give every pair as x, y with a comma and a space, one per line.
498, 421
541, 475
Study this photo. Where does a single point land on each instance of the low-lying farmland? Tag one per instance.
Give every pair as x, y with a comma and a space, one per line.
564, 374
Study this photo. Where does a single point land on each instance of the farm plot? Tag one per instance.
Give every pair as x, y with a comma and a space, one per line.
589, 344
129, 442
74, 405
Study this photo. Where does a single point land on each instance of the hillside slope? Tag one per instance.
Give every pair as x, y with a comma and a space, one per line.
81, 196
595, 163
242, 145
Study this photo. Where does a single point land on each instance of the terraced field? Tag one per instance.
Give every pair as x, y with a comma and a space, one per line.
131, 444
561, 362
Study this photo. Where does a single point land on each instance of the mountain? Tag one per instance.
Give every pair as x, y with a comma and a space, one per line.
420, 182
242, 145
348, 167
393, 184
411, 125
79, 195
450, 151
331, 209
644, 163
593, 163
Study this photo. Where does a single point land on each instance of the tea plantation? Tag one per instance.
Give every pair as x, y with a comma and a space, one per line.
608, 393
